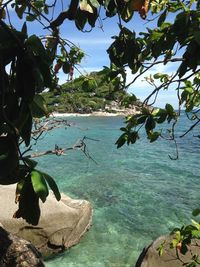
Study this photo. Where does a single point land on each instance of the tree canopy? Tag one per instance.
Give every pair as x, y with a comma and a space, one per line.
30, 63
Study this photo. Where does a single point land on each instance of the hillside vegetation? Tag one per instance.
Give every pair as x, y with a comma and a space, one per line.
89, 93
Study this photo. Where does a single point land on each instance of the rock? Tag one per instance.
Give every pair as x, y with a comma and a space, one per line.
15, 251
61, 225
150, 258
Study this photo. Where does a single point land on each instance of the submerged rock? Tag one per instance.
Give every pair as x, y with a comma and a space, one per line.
150, 258
61, 224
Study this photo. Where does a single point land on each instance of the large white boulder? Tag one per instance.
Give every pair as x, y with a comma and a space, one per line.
61, 224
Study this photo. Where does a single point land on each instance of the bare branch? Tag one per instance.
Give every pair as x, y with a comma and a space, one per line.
58, 151
152, 64
191, 128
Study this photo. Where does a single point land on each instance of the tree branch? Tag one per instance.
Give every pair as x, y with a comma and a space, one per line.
58, 151
190, 129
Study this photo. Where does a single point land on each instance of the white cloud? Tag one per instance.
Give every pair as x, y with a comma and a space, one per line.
91, 41
63, 78
141, 88
90, 69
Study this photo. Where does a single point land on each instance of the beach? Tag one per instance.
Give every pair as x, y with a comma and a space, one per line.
96, 113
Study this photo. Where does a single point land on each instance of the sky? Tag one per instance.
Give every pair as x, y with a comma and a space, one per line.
95, 44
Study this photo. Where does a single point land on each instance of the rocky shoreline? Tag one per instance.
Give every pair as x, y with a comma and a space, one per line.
123, 113
61, 225
171, 257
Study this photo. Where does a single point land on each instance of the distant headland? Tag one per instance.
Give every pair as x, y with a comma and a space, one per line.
91, 95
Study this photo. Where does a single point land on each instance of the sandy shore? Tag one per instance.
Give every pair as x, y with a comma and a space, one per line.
97, 113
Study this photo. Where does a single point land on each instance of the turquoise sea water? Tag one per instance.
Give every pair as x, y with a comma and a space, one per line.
137, 192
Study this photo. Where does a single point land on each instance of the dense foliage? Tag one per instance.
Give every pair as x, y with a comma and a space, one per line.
29, 64
87, 94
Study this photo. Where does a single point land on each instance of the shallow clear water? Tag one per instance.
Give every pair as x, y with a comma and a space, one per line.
137, 192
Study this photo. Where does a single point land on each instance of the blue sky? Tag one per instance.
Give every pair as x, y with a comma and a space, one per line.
95, 44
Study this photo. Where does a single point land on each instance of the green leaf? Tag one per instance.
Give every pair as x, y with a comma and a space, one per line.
41, 70
169, 109
184, 249
196, 234
196, 224
182, 69
141, 119
39, 185
156, 36
158, 75
20, 10
46, 9
66, 67
127, 13
39, 3
94, 3
150, 124
196, 212
31, 17
30, 162
38, 77
28, 203
4, 156
191, 264
24, 123
153, 136
189, 90
24, 28
132, 137
52, 184
19, 187
162, 18
197, 37
121, 140
132, 99
81, 19
160, 249
111, 8
44, 69
123, 129
174, 243
35, 43
189, 106
92, 17
38, 107
9, 160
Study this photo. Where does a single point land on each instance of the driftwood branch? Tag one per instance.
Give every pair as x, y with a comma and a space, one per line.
58, 151
40, 127
48, 125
